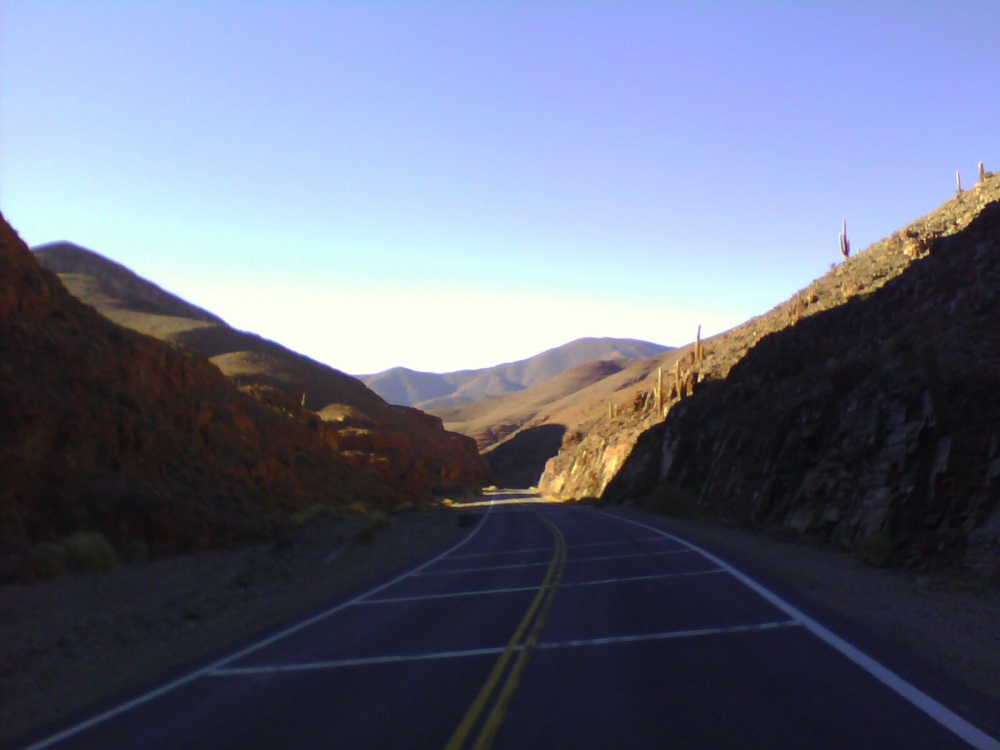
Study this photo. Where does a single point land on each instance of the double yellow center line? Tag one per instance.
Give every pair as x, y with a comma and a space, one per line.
534, 619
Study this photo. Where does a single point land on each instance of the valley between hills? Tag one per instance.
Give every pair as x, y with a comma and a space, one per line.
861, 416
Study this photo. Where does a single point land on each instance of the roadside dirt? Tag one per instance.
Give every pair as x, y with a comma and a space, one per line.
76, 641
948, 621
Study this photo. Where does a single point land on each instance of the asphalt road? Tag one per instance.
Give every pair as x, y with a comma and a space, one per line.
549, 626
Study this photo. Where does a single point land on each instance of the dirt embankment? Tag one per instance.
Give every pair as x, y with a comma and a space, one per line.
872, 425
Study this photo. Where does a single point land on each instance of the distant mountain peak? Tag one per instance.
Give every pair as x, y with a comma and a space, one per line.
427, 390
111, 284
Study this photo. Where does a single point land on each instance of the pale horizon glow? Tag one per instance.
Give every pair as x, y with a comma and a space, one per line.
446, 186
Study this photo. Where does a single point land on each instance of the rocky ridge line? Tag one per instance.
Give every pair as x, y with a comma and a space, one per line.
590, 459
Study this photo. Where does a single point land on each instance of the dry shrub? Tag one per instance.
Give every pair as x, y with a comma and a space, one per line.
671, 500
47, 560
136, 551
318, 514
876, 550
88, 551
380, 521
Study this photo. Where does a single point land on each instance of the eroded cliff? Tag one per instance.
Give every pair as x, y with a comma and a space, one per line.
863, 409
106, 429
873, 425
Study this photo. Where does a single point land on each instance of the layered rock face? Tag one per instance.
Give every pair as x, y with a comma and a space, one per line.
587, 464
874, 424
106, 429
412, 449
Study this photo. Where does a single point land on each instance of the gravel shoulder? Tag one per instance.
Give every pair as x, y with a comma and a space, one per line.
72, 643
947, 621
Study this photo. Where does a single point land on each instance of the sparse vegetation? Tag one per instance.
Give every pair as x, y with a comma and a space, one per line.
671, 500
379, 522
358, 509
136, 551
88, 551
321, 513
47, 560
876, 550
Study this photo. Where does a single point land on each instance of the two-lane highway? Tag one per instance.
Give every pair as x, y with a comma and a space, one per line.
547, 626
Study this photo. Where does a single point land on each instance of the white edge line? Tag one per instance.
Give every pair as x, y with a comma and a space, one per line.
937, 711
170, 686
265, 669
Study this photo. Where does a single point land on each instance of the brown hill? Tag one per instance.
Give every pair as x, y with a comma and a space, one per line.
106, 429
432, 392
862, 412
490, 420
411, 447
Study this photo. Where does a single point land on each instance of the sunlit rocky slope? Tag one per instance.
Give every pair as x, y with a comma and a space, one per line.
106, 429
864, 410
409, 446
435, 392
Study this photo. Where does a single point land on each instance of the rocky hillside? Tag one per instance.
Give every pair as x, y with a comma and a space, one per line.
410, 447
864, 411
491, 420
106, 429
434, 392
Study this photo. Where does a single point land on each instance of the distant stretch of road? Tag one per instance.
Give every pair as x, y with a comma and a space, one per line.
548, 626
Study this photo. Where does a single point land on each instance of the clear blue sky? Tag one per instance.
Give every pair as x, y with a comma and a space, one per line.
449, 185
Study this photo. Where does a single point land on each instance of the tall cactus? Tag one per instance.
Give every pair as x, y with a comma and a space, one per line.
958, 179
982, 173
845, 244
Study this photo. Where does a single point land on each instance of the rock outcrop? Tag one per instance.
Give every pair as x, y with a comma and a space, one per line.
872, 424
411, 448
106, 429
585, 468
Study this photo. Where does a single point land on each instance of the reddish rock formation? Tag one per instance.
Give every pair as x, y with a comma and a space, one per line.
412, 448
104, 428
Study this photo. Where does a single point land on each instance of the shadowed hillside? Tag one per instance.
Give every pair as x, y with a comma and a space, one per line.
407, 445
491, 420
433, 392
107, 430
862, 412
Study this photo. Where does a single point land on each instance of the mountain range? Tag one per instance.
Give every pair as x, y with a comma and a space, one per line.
408, 445
436, 391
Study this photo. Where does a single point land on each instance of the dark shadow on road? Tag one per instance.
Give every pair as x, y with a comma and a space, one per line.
519, 461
